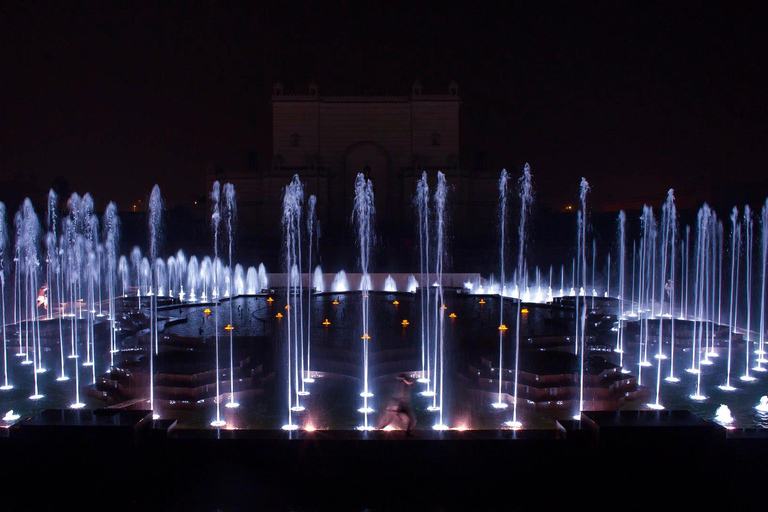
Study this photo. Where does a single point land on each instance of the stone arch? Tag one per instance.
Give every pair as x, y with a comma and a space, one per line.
375, 160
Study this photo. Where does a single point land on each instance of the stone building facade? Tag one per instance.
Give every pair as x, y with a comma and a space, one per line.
328, 140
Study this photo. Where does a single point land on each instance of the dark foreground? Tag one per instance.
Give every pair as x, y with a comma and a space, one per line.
667, 460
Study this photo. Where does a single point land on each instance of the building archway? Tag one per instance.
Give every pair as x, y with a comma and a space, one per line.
373, 161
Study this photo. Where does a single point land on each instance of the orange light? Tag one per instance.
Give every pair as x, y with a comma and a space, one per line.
482, 301
524, 311
287, 306
326, 323
270, 300
279, 315
365, 337
443, 307
207, 311
365, 296
502, 327
452, 315
405, 323
309, 428
395, 303
229, 328
335, 302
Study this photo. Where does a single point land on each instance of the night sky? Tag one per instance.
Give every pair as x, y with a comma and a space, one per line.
636, 97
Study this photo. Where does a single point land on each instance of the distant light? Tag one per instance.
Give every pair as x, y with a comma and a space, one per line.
502, 327
207, 311
524, 311
405, 323
395, 303
482, 301
326, 322
279, 315
229, 328
270, 300
335, 302
365, 337
452, 315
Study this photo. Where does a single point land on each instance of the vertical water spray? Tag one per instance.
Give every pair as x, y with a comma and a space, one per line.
73, 263
229, 214
155, 219
583, 190
763, 271
672, 212
422, 207
362, 216
502, 243
31, 237
622, 220
748, 225
668, 214
293, 199
441, 197
702, 241
3, 246
53, 260
215, 223
734, 300
526, 200
314, 234
111, 241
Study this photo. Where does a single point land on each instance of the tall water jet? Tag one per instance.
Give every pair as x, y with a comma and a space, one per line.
441, 197
3, 246
111, 241
526, 200
293, 199
703, 237
53, 271
763, 271
216, 216
668, 219
229, 214
422, 208
672, 225
583, 190
503, 180
622, 221
748, 224
31, 236
314, 234
734, 300
74, 258
155, 220
363, 216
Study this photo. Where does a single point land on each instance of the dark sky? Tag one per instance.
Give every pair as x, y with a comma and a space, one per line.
637, 97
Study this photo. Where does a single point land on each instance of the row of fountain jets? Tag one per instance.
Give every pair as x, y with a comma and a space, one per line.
84, 270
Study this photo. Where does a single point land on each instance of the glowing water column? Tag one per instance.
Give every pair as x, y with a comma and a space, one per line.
215, 222
363, 216
498, 404
526, 199
155, 213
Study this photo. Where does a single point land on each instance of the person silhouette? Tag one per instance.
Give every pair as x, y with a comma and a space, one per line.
400, 405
